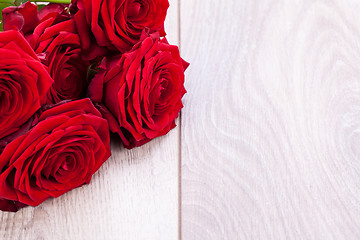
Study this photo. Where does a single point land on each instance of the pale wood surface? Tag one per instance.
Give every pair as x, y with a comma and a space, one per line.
269, 142
271, 128
134, 195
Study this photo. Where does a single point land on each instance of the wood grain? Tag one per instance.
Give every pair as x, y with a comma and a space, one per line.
133, 196
271, 125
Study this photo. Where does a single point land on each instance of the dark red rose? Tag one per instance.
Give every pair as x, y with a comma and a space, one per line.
58, 47
65, 146
22, 18
24, 82
54, 10
55, 40
117, 24
26, 17
140, 91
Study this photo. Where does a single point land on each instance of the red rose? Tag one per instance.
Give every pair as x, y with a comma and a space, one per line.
141, 90
65, 147
24, 82
26, 17
23, 17
117, 24
54, 10
57, 44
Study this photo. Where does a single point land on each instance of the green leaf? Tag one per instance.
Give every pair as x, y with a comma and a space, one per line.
11, 2
2, 6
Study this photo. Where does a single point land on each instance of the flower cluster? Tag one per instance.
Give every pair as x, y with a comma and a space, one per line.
69, 75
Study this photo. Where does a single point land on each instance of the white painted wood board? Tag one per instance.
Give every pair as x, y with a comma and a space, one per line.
271, 127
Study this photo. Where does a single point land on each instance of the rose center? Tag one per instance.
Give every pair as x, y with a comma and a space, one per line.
68, 164
8, 89
163, 89
134, 9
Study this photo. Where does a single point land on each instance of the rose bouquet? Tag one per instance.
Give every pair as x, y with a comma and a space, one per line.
71, 73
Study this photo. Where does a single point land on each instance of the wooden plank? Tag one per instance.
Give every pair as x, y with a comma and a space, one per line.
133, 196
271, 125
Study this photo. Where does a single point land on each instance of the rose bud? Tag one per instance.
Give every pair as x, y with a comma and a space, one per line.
24, 82
66, 145
140, 91
116, 24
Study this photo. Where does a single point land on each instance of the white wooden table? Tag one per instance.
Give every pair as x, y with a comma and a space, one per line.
267, 147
